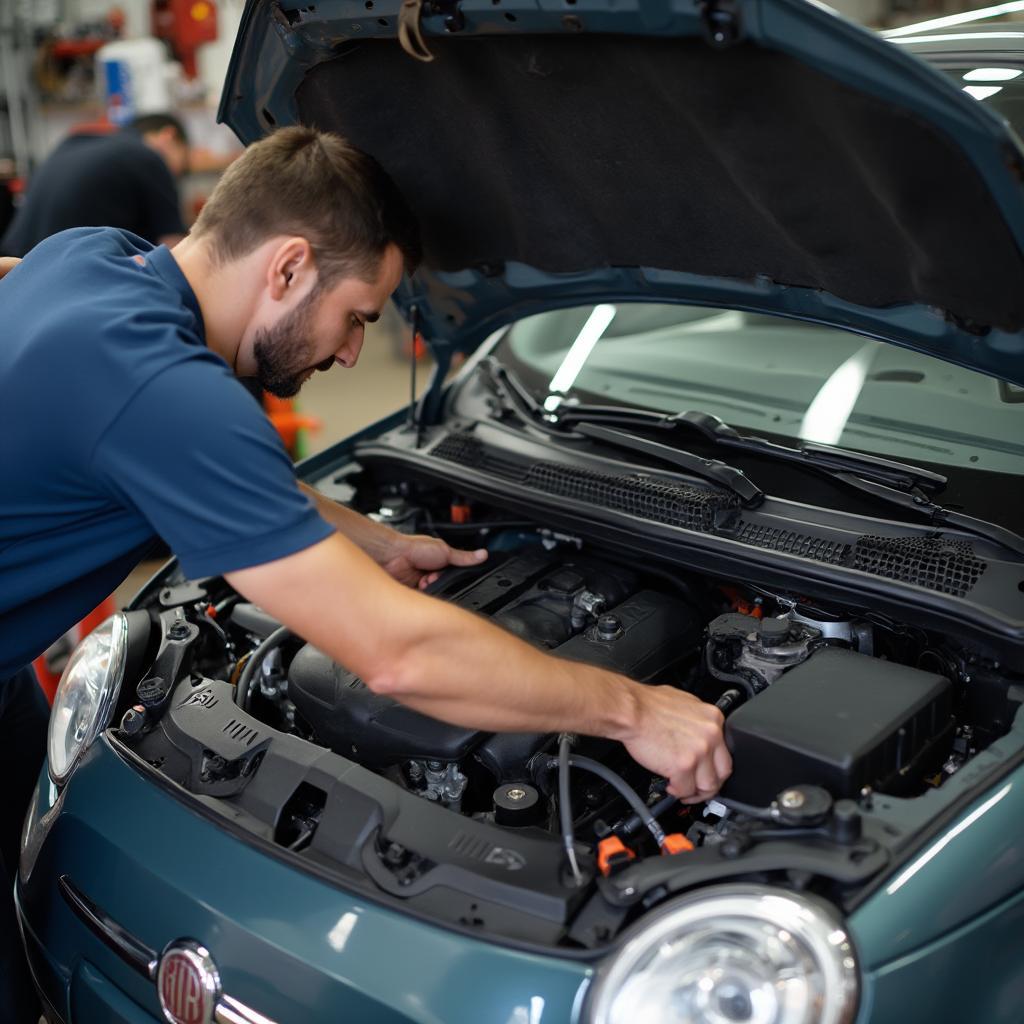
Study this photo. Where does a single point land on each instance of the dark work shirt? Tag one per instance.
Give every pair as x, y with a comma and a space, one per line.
97, 180
119, 424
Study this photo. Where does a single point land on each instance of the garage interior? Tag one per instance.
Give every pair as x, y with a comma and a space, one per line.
51, 87
64, 65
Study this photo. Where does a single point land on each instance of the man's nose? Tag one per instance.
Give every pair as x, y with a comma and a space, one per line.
348, 355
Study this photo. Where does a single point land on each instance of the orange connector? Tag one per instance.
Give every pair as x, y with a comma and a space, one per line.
676, 842
613, 855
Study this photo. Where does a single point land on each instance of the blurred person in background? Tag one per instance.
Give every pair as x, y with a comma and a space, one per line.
126, 179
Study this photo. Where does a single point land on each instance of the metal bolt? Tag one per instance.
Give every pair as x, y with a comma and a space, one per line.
178, 631
792, 799
516, 794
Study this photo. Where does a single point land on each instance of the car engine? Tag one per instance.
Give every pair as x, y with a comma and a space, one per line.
826, 709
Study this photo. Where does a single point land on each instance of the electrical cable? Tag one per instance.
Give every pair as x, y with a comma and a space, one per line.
245, 682
761, 813
565, 807
617, 782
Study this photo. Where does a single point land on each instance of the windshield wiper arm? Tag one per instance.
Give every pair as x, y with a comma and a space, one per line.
899, 475
721, 473
895, 483
942, 519
514, 399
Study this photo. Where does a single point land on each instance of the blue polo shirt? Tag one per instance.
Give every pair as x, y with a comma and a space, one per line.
117, 425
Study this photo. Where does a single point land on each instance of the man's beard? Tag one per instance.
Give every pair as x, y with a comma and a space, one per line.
283, 352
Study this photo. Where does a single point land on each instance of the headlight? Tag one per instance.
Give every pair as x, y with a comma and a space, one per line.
86, 694
735, 954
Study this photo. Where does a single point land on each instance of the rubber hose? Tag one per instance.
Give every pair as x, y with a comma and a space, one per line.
278, 637
625, 790
565, 805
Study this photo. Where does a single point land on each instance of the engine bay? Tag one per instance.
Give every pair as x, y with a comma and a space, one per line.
837, 719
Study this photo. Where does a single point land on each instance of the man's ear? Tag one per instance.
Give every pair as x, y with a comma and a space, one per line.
291, 269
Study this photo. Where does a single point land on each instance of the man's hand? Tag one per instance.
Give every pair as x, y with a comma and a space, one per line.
8, 263
680, 737
417, 560
414, 560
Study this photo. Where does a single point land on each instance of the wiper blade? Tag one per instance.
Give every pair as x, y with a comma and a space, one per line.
899, 475
515, 400
942, 519
895, 483
721, 473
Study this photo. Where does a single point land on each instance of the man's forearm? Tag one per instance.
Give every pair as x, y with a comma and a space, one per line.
436, 657
375, 539
459, 667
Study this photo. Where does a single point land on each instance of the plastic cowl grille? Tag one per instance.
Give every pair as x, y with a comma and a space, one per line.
818, 549
950, 567
659, 501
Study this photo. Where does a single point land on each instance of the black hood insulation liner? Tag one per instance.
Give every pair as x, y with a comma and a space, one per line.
949, 567
569, 153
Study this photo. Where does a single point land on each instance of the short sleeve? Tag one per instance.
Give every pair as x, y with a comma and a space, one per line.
194, 455
160, 201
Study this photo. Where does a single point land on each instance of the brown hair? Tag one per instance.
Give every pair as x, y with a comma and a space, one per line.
299, 181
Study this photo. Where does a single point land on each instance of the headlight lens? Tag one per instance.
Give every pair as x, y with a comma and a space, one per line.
86, 693
735, 954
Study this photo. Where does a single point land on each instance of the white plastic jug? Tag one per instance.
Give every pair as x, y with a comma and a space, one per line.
134, 77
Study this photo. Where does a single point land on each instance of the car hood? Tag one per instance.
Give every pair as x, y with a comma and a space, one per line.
757, 154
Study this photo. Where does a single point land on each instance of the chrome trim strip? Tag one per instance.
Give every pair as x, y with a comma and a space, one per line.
139, 956
134, 953
231, 1011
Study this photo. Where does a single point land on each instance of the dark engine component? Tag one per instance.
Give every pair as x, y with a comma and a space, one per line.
517, 804
578, 608
755, 652
840, 720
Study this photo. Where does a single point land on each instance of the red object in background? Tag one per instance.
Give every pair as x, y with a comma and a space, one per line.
50, 665
186, 25
287, 422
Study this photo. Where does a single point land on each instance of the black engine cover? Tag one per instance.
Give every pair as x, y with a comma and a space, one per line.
530, 595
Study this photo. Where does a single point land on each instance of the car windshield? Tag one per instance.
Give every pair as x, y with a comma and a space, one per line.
999, 84
772, 376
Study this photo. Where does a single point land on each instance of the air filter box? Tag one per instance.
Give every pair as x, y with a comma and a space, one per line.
840, 720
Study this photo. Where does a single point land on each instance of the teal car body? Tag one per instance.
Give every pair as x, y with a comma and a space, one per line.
121, 863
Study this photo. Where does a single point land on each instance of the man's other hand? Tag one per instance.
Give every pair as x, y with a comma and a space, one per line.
417, 560
8, 263
680, 737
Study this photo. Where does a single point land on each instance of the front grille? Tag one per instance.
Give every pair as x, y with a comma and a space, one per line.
817, 549
949, 567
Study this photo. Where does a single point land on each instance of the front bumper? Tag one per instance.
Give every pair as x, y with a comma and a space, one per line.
292, 947
289, 946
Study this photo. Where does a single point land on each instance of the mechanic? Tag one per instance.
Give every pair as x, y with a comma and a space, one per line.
125, 420
124, 180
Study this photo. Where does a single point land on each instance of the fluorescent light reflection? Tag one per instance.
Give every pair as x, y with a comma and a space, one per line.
597, 323
528, 1014
964, 18
947, 839
338, 935
993, 75
826, 416
958, 37
982, 92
